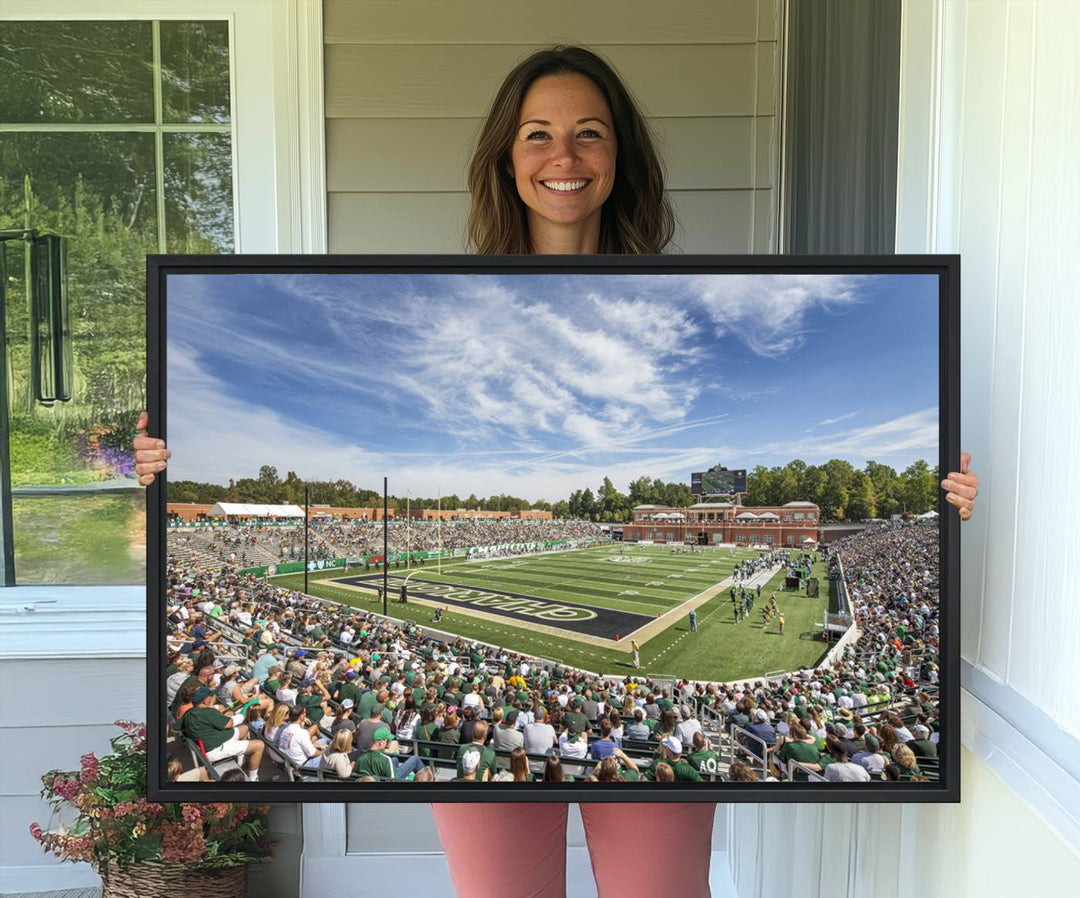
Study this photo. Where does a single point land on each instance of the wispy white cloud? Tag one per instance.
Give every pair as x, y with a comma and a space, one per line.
838, 419
769, 312
215, 436
914, 433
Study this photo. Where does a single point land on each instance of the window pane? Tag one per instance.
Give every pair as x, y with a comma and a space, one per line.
98, 191
76, 72
81, 540
195, 72
198, 193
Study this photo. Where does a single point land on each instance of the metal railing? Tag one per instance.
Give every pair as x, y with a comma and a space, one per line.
812, 775
737, 744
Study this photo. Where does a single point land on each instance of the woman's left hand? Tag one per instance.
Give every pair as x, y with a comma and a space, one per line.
961, 487
150, 453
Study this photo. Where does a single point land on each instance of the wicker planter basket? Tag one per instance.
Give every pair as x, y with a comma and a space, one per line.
174, 881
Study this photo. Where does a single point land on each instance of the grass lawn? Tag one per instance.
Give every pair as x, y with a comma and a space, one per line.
80, 539
719, 650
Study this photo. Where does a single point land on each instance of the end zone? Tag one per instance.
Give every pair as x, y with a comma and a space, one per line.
568, 618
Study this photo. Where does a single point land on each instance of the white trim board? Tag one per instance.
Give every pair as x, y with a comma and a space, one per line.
1025, 760
73, 622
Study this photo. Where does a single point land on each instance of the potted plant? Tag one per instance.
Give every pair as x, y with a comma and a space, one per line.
142, 848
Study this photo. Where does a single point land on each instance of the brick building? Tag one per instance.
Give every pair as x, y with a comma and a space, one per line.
708, 523
193, 511
189, 511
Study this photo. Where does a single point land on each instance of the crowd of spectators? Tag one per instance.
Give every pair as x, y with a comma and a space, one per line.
240, 544
307, 670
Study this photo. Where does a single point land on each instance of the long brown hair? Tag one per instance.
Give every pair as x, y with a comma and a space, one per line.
637, 216
519, 765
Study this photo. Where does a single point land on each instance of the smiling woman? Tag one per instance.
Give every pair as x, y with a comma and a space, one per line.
562, 117
563, 162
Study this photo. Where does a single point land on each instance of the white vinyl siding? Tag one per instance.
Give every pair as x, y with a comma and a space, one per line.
408, 83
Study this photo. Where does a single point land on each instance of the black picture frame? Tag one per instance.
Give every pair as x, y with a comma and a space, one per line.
945, 267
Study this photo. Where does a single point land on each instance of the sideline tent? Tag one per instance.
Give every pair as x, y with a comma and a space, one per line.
245, 510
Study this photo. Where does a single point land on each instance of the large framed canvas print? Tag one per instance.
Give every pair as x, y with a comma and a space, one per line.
554, 528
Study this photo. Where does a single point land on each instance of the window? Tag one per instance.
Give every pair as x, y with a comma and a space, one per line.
768, 539
117, 136
755, 538
799, 516
791, 540
741, 538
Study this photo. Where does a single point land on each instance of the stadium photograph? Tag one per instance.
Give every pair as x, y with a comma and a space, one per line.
551, 527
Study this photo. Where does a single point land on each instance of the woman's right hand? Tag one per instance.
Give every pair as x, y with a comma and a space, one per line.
150, 453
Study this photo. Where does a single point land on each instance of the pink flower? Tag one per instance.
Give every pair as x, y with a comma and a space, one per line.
150, 808
192, 813
37, 832
89, 768
65, 788
181, 842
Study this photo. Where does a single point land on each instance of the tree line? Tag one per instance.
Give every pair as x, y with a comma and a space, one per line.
840, 490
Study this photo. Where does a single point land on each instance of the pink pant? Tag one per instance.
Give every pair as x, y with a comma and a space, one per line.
496, 849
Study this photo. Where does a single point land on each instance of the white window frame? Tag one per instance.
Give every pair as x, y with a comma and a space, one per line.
279, 164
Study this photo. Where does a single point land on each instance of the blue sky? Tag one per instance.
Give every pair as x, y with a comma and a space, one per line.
537, 385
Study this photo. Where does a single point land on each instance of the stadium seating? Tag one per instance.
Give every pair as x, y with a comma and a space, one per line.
892, 573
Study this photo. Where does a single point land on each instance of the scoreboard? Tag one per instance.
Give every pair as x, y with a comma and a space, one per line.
718, 481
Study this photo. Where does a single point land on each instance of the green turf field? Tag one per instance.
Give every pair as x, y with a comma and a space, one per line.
659, 582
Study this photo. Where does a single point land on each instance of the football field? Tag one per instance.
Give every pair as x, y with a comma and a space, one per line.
582, 607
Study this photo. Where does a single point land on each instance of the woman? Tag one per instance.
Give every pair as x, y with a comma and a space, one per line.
565, 164
889, 739
666, 725
427, 729
406, 720
552, 773
741, 772
187, 699
336, 759
449, 732
519, 766
184, 668
275, 721
617, 729
665, 774
607, 771
906, 761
